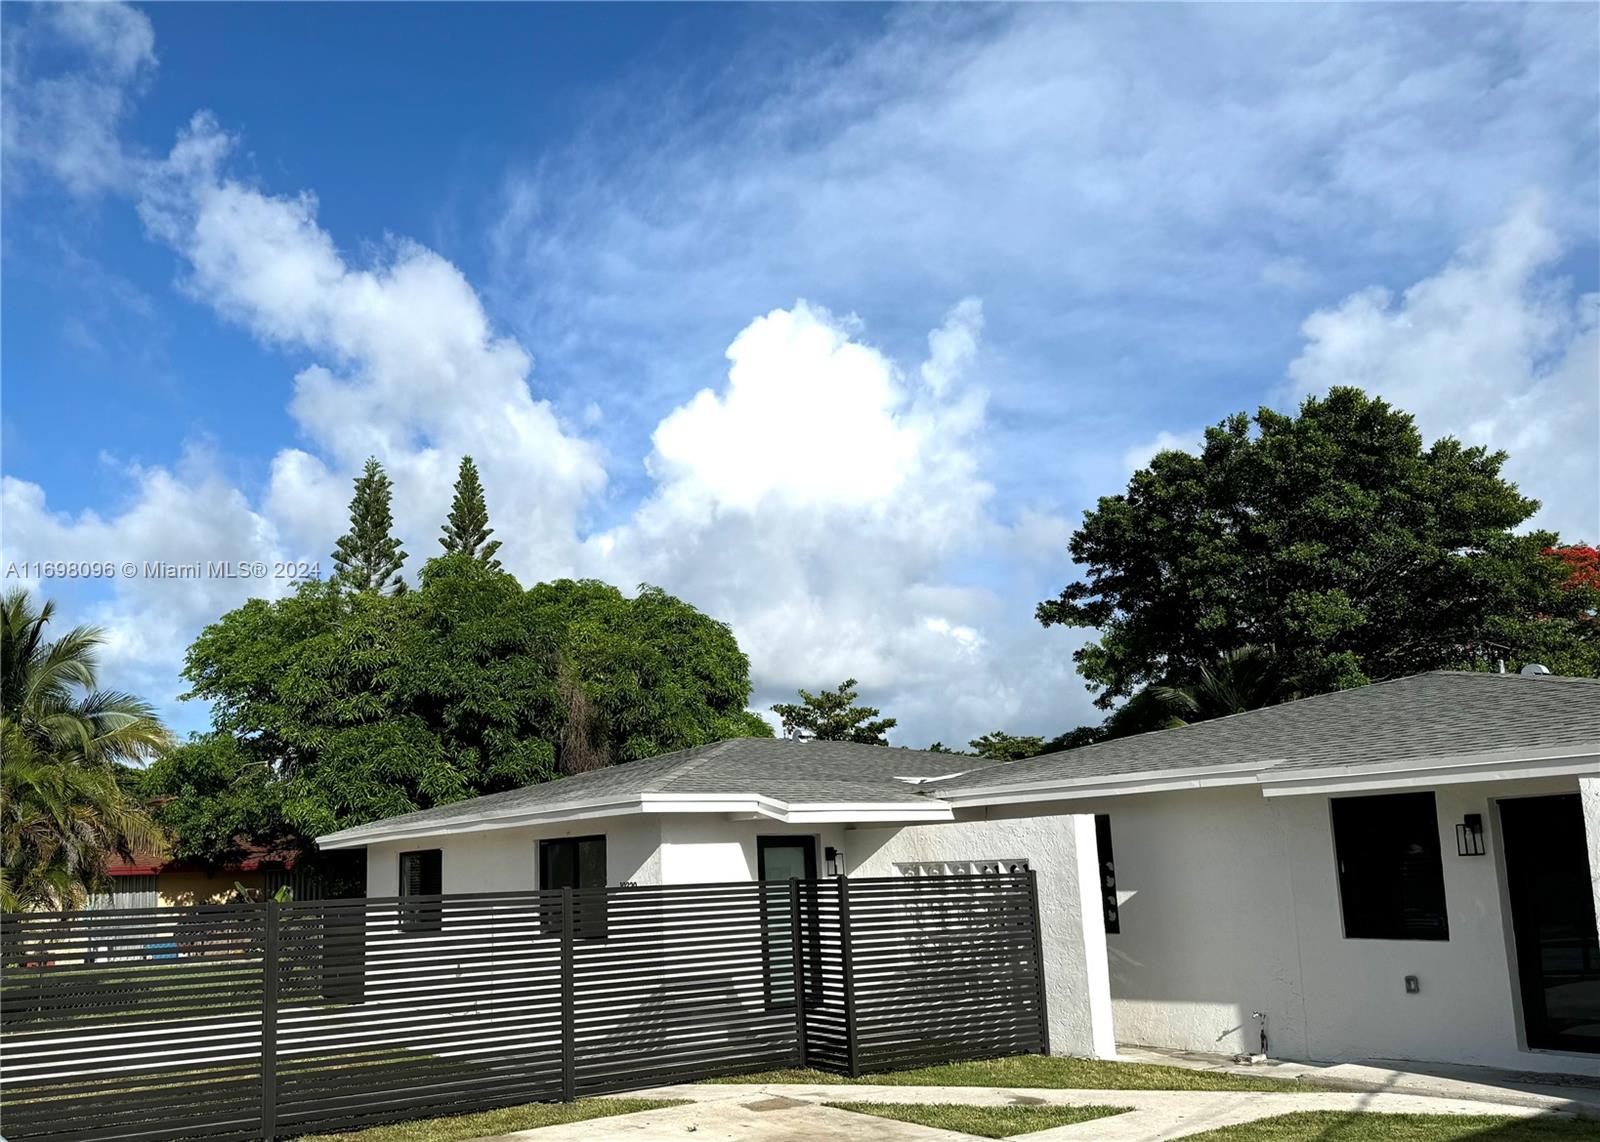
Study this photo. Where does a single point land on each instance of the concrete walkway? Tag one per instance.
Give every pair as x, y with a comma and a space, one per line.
794, 1113
1447, 1080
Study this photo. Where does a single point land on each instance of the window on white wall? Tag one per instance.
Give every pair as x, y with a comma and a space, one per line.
1391, 880
421, 874
576, 863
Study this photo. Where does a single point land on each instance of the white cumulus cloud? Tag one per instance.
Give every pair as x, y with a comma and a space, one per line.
66, 122
410, 371
1494, 349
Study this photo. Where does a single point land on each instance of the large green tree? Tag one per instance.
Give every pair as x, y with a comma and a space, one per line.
63, 814
1335, 537
368, 557
832, 715
215, 797
467, 530
360, 705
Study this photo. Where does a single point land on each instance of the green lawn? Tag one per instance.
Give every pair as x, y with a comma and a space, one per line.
984, 1121
498, 1121
1050, 1072
1342, 1126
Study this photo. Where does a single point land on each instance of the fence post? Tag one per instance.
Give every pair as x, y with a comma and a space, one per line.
269, 1024
1038, 961
798, 952
569, 1030
847, 971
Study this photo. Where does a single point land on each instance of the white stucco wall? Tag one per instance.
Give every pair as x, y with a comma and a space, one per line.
1207, 929
1467, 1006
705, 849
686, 848
1062, 850
1230, 905
507, 860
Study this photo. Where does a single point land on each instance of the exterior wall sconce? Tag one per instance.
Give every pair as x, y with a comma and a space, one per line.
834, 859
1469, 836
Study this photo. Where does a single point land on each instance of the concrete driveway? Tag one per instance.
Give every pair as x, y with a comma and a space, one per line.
794, 1113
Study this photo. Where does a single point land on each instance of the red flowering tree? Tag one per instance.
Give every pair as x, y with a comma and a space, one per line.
1583, 564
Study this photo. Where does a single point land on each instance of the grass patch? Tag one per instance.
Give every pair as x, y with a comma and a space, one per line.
1042, 1071
984, 1121
498, 1121
1355, 1126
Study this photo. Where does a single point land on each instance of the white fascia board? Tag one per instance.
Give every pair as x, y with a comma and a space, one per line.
1110, 784
506, 819
869, 813
818, 812
1501, 765
731, 804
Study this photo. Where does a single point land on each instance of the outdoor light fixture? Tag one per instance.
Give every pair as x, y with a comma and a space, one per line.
835, 861
1469, 836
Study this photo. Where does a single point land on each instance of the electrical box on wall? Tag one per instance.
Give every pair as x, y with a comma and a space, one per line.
1413, 985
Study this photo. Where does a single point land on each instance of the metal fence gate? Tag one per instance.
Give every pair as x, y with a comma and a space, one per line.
278, 1020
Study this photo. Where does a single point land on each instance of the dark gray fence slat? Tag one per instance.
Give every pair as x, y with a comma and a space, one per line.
269, 1024
848, 975
272, 1020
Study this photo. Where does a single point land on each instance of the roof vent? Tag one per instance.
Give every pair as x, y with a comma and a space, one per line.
1534, 668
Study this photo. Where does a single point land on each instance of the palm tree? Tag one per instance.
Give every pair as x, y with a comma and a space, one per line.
62, 811
1243, 679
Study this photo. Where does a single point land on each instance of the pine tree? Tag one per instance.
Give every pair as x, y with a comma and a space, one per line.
467, 531
368, 558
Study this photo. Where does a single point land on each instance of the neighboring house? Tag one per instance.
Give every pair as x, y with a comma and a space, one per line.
149, 880
1405, 870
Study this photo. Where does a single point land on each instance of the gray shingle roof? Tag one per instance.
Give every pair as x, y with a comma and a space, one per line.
1439, 714
796, 772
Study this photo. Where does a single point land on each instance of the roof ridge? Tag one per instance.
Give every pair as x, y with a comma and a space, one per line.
689, 764
1541, 678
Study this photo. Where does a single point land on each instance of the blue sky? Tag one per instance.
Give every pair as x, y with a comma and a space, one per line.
832, 320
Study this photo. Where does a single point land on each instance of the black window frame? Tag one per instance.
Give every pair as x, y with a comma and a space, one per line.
589, 912
1107, 862
1389, 864
427, 916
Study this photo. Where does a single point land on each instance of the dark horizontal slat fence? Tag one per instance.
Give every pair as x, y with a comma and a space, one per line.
276, 1020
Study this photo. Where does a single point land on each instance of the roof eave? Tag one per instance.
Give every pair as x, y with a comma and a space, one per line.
1109, 784
747, 804
1499, 765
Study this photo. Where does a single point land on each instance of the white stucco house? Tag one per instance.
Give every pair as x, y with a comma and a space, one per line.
1409, 870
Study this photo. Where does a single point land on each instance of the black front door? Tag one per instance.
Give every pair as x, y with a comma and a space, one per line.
780, 860
1552, 919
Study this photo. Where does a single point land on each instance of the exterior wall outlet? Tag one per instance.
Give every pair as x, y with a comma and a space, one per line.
1413, 985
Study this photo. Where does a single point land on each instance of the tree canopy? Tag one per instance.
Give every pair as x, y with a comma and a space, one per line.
467, 530
831, 716
346, 707
1001, 746
214, 797
1335, 540
368, 557
63, 813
